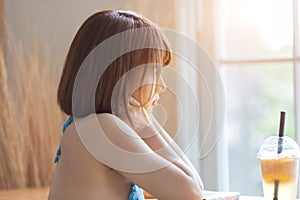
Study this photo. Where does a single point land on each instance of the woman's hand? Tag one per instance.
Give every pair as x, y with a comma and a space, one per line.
139, 115
138, 118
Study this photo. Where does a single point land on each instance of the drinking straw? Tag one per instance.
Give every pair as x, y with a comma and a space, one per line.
281, 132
276, 184
279, 150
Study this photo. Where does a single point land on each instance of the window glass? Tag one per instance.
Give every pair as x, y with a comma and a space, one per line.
255, 95
255, 29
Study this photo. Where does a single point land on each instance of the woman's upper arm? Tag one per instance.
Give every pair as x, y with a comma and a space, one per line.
166, 183
115, 144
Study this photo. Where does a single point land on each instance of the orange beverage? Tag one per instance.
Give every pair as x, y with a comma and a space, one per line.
285, 171
279, 170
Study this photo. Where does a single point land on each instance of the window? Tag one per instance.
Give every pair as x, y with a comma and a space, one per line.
257, 47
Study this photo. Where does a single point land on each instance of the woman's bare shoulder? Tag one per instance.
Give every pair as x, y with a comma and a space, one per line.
106, 128
103, 119
107, 117
108, 120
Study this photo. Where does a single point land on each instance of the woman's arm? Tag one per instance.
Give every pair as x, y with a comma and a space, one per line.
176, 149
162, 144
168, 181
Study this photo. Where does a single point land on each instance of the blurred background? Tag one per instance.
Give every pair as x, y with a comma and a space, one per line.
253, 44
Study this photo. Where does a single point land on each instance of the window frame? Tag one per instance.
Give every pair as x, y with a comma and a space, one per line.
294, 60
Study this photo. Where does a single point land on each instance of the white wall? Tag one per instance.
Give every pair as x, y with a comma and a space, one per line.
54, 23
50, 23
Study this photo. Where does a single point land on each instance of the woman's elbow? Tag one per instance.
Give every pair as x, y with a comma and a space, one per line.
195, 194
193, 191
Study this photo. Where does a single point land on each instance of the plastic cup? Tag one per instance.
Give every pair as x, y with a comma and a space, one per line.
279, 170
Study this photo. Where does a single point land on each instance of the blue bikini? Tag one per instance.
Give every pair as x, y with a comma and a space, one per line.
136, 192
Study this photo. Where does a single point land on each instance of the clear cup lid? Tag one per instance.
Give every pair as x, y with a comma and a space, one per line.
275, 147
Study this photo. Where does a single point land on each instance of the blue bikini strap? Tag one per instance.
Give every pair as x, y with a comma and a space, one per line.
136, 193
64, 127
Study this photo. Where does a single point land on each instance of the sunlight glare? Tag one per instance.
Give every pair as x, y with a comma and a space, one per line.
268, 16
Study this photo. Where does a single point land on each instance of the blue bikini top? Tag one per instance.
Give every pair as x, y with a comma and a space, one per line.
136, 192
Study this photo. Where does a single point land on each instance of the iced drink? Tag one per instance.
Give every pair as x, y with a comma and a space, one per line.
279, 170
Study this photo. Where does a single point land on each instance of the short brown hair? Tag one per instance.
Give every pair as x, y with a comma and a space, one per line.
97, 28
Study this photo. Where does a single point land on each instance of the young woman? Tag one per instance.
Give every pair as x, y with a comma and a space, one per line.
131, 150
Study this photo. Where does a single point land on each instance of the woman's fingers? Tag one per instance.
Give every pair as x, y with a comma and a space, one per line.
132, 101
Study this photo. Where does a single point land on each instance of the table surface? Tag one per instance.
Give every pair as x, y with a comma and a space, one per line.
42, 194
25, 194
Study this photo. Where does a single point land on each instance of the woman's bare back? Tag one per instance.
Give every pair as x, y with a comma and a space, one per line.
78, 175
